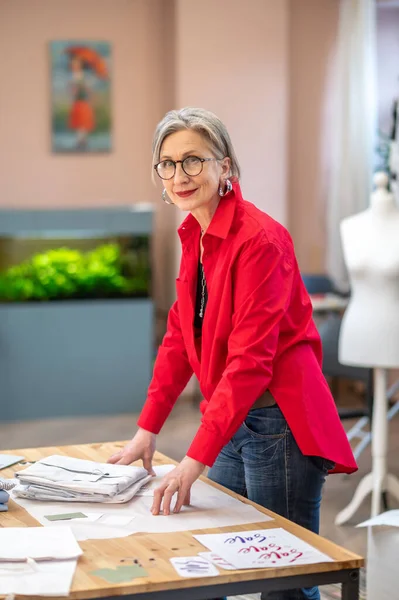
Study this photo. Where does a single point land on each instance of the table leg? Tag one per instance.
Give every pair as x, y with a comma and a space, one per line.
350, 589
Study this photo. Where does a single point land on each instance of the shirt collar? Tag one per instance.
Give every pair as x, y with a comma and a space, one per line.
221, 220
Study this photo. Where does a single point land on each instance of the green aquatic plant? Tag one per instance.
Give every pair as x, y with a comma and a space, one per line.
65, 273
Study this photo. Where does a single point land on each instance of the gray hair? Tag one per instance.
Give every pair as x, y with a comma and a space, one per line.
204, 122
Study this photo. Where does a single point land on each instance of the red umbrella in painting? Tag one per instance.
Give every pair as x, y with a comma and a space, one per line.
89, 58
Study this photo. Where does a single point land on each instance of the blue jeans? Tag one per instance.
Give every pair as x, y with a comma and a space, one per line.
263, 463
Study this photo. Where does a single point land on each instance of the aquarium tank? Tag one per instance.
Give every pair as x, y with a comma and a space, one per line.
52, 269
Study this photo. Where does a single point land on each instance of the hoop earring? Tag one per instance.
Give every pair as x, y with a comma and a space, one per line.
227, 189
166, 198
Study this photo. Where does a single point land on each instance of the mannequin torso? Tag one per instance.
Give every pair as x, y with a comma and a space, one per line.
370, 328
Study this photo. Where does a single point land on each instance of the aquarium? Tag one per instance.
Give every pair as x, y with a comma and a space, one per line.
83, 266
76, 311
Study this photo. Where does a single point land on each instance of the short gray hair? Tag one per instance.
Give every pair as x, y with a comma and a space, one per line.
204, 122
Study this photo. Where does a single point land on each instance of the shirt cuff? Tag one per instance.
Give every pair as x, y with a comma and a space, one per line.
205, 447
153, 416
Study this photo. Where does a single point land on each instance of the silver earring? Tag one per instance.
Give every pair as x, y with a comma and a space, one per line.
166, 198
227, 189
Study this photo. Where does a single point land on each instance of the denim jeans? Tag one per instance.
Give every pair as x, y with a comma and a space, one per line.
263, 463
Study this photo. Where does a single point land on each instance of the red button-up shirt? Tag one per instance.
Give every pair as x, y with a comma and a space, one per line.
258, 334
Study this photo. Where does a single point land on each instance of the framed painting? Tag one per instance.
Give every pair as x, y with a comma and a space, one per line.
81, 117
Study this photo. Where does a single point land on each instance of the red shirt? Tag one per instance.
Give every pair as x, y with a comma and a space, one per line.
258, 333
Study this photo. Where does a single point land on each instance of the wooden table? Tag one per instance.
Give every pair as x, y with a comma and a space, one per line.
154, 550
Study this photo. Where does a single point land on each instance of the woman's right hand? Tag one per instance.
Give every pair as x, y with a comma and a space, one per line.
142, 446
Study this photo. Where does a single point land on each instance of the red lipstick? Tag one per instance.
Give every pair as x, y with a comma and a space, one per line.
186, 194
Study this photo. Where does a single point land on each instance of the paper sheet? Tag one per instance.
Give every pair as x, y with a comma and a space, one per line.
50, 578
148, 488
37, 543
217, 560
88, 528
262, 548
7, 460
209, 508
193, 566
389, 518
116, 520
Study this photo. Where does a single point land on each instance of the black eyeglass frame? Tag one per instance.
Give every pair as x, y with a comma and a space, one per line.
175, 162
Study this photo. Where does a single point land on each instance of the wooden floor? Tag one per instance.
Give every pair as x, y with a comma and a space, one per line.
174, 441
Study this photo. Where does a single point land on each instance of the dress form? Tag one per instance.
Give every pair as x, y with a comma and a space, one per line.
370, 240
370, 327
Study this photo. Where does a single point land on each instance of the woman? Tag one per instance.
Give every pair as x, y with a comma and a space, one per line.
81, 116
243, 324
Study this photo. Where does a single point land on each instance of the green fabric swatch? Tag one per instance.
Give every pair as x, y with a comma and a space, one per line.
65, 516
121, 574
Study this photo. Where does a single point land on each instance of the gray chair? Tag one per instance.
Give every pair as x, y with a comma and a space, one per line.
318, 283
329, 331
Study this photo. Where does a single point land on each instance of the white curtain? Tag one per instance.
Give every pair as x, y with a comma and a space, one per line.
350, 125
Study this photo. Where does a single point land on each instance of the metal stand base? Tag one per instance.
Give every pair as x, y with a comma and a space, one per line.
378, 482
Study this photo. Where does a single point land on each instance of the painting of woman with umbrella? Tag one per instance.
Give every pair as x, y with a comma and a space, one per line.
81, 97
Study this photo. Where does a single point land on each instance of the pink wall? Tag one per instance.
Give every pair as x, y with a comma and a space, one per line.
313, 28
30, 174
232, 58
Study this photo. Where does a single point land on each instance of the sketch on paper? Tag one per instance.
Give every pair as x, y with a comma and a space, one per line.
193, 566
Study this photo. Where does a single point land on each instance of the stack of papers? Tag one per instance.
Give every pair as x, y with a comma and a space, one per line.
64, 478
37, 561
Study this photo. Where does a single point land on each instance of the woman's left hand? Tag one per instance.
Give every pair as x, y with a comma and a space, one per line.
177, 481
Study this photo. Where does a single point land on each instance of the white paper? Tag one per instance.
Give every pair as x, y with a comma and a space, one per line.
389, 518
38, 543
205, 512
115, 520
262, 548
217, 560
153, 483
91, 528
193, 566
209, 508
7, 460
92, 516
49, 578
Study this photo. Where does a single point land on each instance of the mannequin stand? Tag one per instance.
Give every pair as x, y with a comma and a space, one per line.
378, 482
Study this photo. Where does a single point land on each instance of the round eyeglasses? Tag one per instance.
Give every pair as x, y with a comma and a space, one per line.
192, 166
